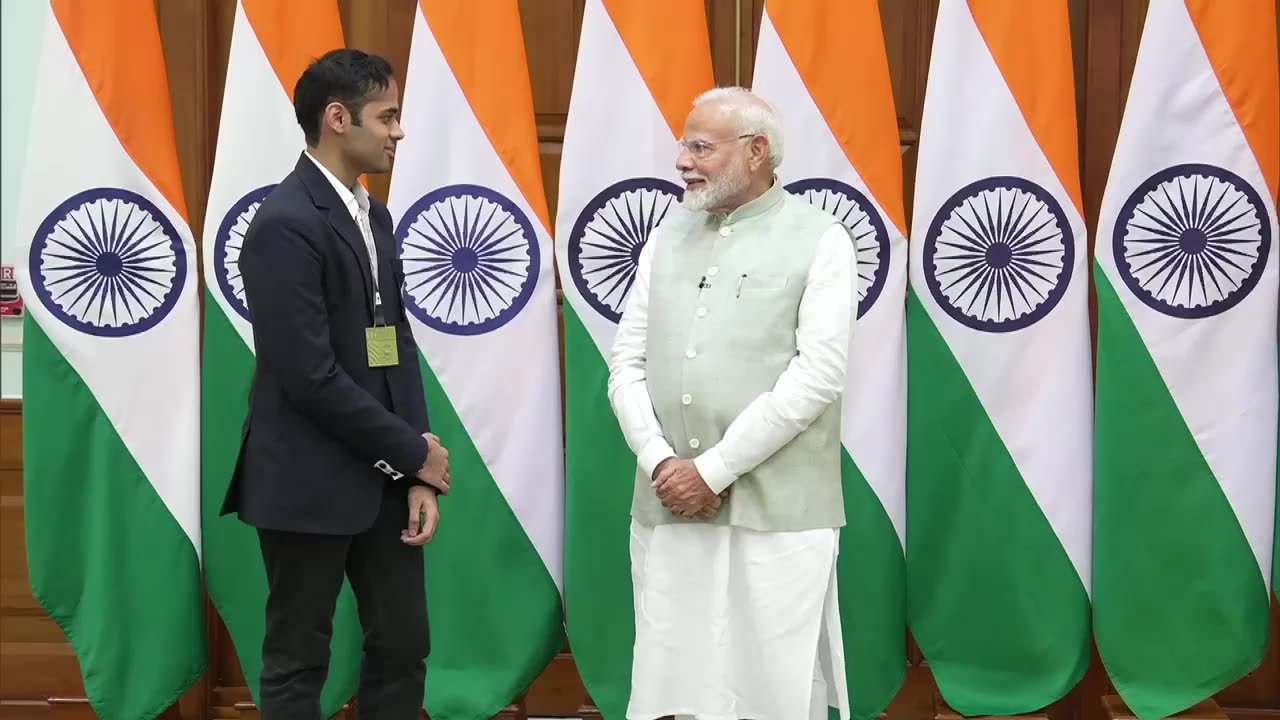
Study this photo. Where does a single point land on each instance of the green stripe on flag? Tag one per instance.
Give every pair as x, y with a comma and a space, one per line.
600, 478
496, 616
232, 557
993, 599
871, 576
107, 560
1181, 610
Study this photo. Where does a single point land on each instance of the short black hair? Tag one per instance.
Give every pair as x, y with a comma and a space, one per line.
344, 75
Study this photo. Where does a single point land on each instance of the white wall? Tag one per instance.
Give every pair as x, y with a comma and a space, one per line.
21, 32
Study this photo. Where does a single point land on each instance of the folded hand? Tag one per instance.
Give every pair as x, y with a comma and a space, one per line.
682, 490
435, 472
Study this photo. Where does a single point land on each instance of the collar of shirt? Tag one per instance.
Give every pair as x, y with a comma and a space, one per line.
757, 206
352, 199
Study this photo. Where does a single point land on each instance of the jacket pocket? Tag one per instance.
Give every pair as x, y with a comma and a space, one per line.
754, 283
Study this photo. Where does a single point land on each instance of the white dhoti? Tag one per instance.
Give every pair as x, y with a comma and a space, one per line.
734, 623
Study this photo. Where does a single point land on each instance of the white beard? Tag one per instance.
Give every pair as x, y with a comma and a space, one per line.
714, 191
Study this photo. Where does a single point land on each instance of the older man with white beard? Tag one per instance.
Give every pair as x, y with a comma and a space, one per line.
726, 376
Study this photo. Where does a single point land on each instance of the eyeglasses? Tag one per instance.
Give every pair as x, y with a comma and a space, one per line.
701, 149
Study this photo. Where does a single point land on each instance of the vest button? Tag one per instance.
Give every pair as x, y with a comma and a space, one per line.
713, 271
702, 312
693, 443
725, 231
687, 399
691, 353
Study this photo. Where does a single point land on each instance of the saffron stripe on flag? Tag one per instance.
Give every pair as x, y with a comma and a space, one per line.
675, 65
480, 50
828, 63
117, 46
1246, 63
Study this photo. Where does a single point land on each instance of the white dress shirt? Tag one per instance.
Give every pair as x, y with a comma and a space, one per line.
356, 200
811, 382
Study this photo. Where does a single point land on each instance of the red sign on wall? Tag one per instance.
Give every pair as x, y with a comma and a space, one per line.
10, 301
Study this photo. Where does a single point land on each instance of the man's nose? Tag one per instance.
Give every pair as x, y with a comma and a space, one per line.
684, 161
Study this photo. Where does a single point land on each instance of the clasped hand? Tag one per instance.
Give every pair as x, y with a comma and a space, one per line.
424, 507
682, 490
435, 471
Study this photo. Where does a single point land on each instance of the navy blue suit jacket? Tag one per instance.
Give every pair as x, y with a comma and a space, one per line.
325, 432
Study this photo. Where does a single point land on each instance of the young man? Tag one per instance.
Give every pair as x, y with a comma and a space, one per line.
337, 470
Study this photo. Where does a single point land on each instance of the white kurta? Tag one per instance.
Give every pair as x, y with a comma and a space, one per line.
730, 622
733, 623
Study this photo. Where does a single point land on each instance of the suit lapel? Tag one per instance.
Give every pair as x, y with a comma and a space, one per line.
341, 221
326, 197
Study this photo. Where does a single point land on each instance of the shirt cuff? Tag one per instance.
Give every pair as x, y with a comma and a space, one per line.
388, 470
713, 470
654, 452
408, 461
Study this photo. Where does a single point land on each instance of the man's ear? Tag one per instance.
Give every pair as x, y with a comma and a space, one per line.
337, 117
759, 151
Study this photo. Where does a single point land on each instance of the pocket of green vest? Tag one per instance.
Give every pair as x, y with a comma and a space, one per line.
760, 282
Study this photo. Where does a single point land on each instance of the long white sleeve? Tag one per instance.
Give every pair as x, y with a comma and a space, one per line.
628, 391
812, 381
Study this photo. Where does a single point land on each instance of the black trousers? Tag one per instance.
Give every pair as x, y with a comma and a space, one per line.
304, 577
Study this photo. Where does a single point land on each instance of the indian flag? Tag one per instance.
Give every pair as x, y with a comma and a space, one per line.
107, 267
999, 477
1187, 390
474, 236
843, 154
259, 141
617, 182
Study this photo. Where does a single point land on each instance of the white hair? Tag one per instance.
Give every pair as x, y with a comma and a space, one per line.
751, 113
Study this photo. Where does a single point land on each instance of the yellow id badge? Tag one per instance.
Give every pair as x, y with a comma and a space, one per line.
381, 343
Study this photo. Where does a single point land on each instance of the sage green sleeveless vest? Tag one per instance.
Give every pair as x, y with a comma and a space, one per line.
724, 298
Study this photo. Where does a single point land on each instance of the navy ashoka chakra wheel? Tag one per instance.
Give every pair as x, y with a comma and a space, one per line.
604, 246
471, 259
1192, 240
108, 262
998, 254
856, 213
229, 242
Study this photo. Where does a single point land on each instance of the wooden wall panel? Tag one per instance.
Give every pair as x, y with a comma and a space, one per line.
36, 663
